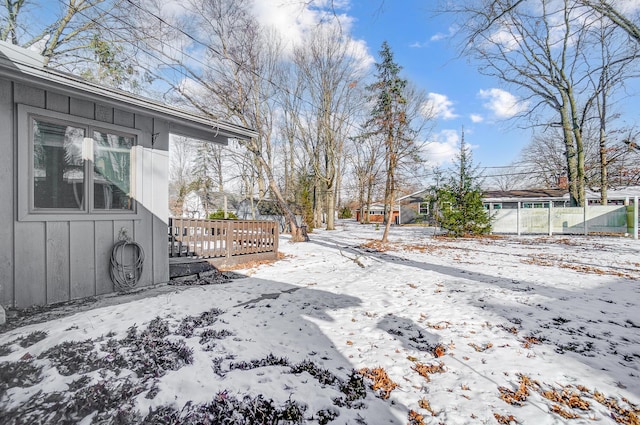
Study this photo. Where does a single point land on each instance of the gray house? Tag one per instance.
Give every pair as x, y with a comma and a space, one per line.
82, 164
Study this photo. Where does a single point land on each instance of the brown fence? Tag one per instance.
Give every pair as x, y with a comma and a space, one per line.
223, 241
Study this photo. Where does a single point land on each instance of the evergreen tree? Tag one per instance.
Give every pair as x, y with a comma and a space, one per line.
460, 199
389, 121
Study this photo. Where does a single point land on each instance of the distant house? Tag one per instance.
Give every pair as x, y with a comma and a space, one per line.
376, 213
266, 209
416, 207
193, 204
542, 198
81, 165
526, 198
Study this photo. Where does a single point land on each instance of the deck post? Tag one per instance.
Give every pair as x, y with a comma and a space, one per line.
518, 219
550, 218
229, 240
584, 218
635, 217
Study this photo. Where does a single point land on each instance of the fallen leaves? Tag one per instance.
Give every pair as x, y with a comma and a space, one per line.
481, 348
381, 383
424, 404
565, 399
505, 420
551, 262
426, 370
530, 341
415, 418
439, 351
518, 397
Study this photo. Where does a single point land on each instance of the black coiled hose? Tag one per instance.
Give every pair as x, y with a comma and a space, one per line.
126, 275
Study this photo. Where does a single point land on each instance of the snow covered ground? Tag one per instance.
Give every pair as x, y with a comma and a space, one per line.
533, 330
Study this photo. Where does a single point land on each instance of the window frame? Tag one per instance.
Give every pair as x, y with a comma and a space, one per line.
422, 206
26, 196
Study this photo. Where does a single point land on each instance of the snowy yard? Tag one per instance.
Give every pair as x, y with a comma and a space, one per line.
532, 330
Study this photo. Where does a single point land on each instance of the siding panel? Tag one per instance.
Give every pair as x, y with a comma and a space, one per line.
160, 202
7, 193
57, 102
82, 108
57, 255
123, 118
30, 264
143, 236
104, 245
29, 96
82, 259
104, 113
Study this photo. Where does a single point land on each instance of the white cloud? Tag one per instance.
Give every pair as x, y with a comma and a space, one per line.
443, 148
441, 106
502, 103
476, 118
505, 38
295, 19
441, 35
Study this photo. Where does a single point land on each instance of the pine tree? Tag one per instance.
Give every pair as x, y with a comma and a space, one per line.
460, 199
389, 121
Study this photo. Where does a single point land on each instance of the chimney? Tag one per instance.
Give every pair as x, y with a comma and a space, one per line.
563, 182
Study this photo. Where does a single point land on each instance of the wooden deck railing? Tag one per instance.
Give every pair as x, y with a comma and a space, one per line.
222, 239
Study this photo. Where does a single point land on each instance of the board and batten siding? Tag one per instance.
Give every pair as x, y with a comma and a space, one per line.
49, 261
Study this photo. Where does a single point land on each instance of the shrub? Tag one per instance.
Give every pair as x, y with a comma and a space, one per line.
219, 215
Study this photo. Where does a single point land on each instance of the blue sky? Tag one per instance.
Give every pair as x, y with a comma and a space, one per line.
422, 45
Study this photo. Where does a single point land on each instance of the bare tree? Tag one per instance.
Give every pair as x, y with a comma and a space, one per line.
537, 47
180, 174
235, 83
611, 69
367, 167
328, 71
96, 39
611, 11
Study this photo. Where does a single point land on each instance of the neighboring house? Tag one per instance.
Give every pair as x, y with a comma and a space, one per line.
82, 164
266, 209
528, 198
376, 213
415, 207
540, 198
193, 205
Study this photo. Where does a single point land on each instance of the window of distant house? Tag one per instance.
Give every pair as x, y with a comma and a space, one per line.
535, 205
77, 167
423, 209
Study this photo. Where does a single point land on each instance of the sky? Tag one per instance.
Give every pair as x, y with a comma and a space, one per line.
471, 331
423, 44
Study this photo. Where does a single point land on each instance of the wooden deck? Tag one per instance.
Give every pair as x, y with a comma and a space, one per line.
223, 242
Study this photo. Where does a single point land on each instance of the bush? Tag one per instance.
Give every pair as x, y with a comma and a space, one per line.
219, 215
345, 212
463, 214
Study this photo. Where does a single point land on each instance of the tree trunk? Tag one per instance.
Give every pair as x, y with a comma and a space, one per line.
570, 154
298, 233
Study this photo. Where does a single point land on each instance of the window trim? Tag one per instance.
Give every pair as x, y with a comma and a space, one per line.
26, 208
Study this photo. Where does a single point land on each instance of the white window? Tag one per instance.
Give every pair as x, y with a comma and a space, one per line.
73, 166
423, 208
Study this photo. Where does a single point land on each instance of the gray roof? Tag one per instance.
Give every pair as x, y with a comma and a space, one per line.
27, 67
